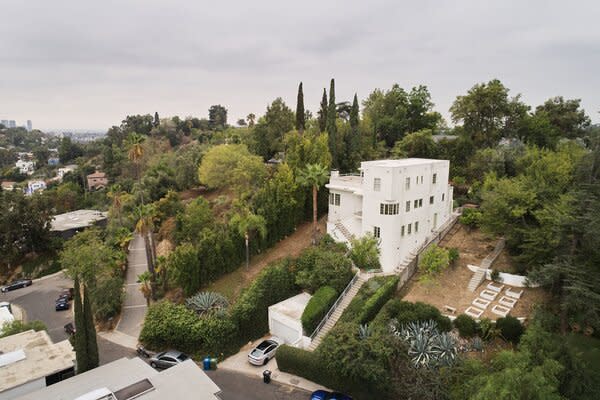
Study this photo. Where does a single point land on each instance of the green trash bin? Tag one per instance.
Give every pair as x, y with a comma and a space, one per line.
213, 364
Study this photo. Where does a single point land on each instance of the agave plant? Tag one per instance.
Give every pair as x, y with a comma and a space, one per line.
421, 350
427, 346
445, 349
477, 344
364, 331
204, 302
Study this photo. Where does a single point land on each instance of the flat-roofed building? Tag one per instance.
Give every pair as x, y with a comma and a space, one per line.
30, 361
125, 379
68, 224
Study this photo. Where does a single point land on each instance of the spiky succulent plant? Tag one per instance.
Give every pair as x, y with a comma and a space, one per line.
427, 347
364, 331
204, 302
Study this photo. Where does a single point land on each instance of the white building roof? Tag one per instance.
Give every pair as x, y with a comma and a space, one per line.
31, 355
183, 381
76, 219
292, 307
404, 162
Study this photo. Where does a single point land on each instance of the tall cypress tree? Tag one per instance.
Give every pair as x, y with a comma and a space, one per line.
354, 115
300, 122
156, 119
331, 126
90, 331
323, 112
352, 139
80, 337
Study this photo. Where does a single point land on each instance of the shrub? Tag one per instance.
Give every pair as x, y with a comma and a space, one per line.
471, 217
17, 326
365, 252
378, 300
467, 327
488, 329
434, 260
404, 312
495, 276
303, 363
317, 267
453, 255
108, 297
317, 308
510, 328
169, 325
250, 312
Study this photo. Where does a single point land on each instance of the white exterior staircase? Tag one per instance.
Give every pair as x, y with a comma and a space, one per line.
476, 279
338, 308
344, 231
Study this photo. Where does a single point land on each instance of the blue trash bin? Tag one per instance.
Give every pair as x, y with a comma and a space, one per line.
206, 363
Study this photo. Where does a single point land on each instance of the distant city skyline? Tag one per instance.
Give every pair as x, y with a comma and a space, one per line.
111, 59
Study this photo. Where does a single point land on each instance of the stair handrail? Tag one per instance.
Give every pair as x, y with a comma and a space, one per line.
334, 306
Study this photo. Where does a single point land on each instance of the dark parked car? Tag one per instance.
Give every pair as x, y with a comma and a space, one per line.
18, 284
62, 304
70, 328
67, 293
167, 359
265, 351
325, 395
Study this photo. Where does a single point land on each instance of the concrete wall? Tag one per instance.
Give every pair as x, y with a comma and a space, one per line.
23, 389
507, 279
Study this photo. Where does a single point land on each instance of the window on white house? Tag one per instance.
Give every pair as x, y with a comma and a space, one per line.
408, 206
409, 228
331, 198
431, 199
337, 199
376, 231
420, 202
416, 204
389, 209
443, 196
407, 185
377, 184
402, 231
416, 226
434, 178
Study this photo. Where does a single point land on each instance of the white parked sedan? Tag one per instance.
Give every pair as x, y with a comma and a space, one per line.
261, 354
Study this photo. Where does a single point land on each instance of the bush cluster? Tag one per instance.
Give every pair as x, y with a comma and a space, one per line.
510, 328
378, 300
405, 312
467, 326
324, 265
317, 308
471, 217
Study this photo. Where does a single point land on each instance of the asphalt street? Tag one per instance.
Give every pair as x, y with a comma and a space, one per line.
236, 386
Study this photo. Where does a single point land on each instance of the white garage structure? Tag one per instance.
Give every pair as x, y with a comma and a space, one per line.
285, 320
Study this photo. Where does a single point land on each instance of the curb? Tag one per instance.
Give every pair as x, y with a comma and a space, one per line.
48, 276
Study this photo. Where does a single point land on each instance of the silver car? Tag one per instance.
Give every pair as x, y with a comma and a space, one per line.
261, 354
167, 359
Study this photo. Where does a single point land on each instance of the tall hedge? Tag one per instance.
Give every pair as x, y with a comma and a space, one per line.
317, 307
378, 300
251, 310
405, 312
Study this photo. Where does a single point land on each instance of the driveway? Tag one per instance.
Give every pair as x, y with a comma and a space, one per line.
237, 386
134, 307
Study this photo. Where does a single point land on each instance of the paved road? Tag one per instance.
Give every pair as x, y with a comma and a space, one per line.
236, 386
134, 307
37, 303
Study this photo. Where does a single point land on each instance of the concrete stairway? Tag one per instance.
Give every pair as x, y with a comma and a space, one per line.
337, 313
476, 280
342, 228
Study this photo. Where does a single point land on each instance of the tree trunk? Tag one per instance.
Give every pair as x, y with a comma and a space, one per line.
314, 239
246, 238
150, 264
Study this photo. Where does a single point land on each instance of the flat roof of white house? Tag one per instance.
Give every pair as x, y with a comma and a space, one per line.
403, 162
128, 378
76, 219
31, 355
292, 307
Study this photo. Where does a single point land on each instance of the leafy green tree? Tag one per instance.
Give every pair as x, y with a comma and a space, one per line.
269, 132
300, 122
419, 144
217, 117
313, 176
232, 165
183, 263
251, 118
565, 116
68, 151
364, 252
322, 118
332, 125
17, 326
433, 260
196, 216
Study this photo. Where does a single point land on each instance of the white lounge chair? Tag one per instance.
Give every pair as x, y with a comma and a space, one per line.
473, 312
515, 294
495, 288
481, 303
500, 310
488, 294
507, 301
449, 309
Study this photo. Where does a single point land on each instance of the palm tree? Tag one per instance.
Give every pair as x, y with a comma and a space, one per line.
315, 176
146, 280
144, 227
247, 223
251, 118
116, 194
135, 155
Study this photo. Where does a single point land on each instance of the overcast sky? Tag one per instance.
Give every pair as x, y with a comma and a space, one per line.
85, 65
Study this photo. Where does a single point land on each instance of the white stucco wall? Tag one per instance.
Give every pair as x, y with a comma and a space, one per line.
28, 387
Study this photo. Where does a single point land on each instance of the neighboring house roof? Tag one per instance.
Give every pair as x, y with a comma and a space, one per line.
76, 219
97, 175
133, 378
31, 355
8, 184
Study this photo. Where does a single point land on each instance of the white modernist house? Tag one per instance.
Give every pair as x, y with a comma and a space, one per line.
401, 202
